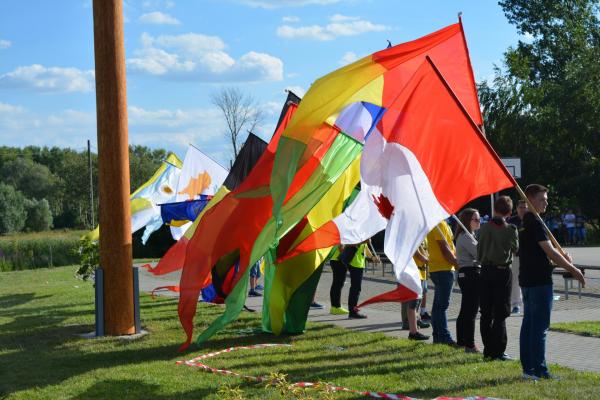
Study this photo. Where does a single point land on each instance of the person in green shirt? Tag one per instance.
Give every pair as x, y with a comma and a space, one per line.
349, 258
498, 240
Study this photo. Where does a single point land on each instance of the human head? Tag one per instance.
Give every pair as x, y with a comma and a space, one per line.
503, 206
470, 219
538, 196
521, 208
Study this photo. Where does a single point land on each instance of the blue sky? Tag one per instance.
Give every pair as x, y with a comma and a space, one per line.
180, 51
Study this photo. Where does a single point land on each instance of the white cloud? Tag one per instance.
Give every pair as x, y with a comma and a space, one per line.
5, 44
158, 4
198, 57
342, 18
67, 128
348, 58
271, 4
49, 79
339, 25
172, 129
158, 18
290, 19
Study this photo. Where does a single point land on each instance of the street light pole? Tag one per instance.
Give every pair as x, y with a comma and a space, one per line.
113, 167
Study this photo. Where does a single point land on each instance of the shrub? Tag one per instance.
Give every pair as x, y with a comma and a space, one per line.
23, 253
12, 209
39, 216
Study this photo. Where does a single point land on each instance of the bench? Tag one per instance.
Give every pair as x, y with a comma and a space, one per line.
568, 278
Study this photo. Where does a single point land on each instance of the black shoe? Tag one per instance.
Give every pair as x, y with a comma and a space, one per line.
356, 315
426, 317
423, 324
316, 306
254, 293
417, 336
550, 377
503, 357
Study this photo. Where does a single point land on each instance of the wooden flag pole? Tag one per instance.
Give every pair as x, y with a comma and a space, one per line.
113, 167
496, 156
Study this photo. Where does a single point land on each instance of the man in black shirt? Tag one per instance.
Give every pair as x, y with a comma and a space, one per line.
535, 278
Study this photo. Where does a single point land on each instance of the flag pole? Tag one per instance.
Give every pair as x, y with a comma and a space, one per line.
496, 156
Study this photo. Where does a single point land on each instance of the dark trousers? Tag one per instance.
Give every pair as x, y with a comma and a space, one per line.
494, 292
339, 270
537, 301
468, 281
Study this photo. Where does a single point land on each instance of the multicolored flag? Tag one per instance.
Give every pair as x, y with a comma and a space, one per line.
160, 188
180, 213
249, 154
377, 79
200, 175
423, 162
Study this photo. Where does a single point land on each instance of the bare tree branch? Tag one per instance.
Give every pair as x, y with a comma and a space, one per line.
241, 113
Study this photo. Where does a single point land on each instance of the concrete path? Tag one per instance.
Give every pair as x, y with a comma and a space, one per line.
577, 352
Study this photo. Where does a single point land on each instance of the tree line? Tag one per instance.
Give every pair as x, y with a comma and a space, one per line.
43, 188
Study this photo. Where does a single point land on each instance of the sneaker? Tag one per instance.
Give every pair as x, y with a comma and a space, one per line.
549, 376
516, 310
528, 377
405, 326
316, 305
260, 287
254, 293
417, 336
356, 315
423, 324
338, 311
503, 357
473, 349
426, 317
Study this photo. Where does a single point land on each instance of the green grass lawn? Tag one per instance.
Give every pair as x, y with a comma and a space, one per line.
54, 234
583, 328
41, 356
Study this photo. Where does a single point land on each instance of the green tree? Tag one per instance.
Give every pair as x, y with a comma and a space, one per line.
543, 104
32, 179
39, 216
12, 209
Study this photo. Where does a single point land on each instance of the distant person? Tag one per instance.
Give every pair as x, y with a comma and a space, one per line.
516, 299
580, 232
469, 272
409, 308
254, 276
569, 220
535, 278
498, 240
349, 258
442, 260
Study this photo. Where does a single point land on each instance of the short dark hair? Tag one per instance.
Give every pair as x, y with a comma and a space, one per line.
532, 190
503, 205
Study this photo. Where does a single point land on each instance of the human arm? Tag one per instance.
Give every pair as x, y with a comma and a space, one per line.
421, 257
447, 252
561, 261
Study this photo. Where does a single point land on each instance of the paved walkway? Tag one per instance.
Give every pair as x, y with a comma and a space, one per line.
577, 352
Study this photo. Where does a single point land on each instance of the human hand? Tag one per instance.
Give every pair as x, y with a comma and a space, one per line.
568, 257
576, 272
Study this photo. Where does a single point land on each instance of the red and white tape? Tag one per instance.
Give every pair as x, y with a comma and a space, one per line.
195, 362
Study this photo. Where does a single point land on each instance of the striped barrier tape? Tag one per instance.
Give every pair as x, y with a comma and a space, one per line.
196, 362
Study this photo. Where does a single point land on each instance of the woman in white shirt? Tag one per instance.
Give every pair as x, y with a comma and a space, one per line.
468, 279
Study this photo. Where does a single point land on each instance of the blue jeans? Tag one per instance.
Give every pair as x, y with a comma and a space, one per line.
537, 302
443, 281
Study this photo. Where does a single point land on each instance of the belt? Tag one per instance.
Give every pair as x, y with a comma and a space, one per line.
499, 266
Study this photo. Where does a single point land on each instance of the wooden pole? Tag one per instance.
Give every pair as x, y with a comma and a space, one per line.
495, 155
113, 163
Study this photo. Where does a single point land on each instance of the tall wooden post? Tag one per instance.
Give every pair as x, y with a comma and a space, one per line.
113, 163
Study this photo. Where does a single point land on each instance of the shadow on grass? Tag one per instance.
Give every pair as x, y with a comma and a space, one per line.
135, 390
13, 300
